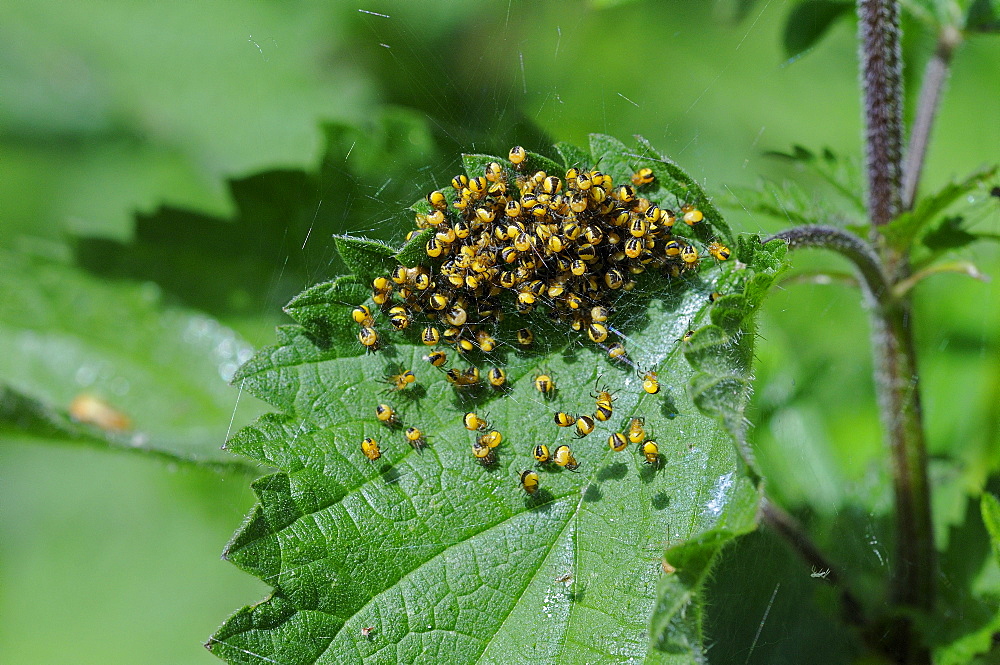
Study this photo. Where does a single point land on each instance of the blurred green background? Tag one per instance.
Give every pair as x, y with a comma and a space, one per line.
171, 173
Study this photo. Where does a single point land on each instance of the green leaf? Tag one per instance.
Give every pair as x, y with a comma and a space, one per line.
574, 156
612, 156
367, 259
438, 554
96, 424
990, 508
983, 16
949, 234
414, 252
678, 617
905, 229
721, 355
671, 178
535, 162
279, 237
475, 165
269, 77
827, 175
68, 336
968, 609
819, 189
809, 21
324, 310
788, 201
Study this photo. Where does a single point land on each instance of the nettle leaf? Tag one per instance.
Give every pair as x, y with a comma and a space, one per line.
809, 21
990, 508
367, 259
282, 217
413, 252
828, 176
536, 162
428, 555
721, 356
949, 234
792, 202
968, 606
91, 421
147, 375
983, 16
476, 164
572, 156
906, 228
670, 178
324, 310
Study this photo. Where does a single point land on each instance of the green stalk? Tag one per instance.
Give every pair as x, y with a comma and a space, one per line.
882, 83
935, 76
897, 387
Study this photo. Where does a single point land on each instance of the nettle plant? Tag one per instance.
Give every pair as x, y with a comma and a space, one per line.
519, 434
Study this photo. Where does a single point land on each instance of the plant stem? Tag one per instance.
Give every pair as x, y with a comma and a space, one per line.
895, 366
882, 80
935, 76
897, 388
960, 267
912, 583
856, 250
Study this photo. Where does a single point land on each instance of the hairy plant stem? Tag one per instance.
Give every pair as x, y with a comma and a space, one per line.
912, 583
899, 403
882, 83
895, 367
935, 76
856, 250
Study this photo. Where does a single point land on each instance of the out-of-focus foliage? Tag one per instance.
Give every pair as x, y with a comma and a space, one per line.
283, 217
107, 109
66, 336
810, 20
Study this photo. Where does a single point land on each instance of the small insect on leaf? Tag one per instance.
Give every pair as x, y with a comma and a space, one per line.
369, 338
370, 448
386, 414
362, 316
617, 442
483, 454
650, 383
497, 377
719, 251
563, 419
529, 481
651, 452
491, 439
87, 408
436, 358
415, 438
636, 431
473, 422
400, 380
563, 456
544, 384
